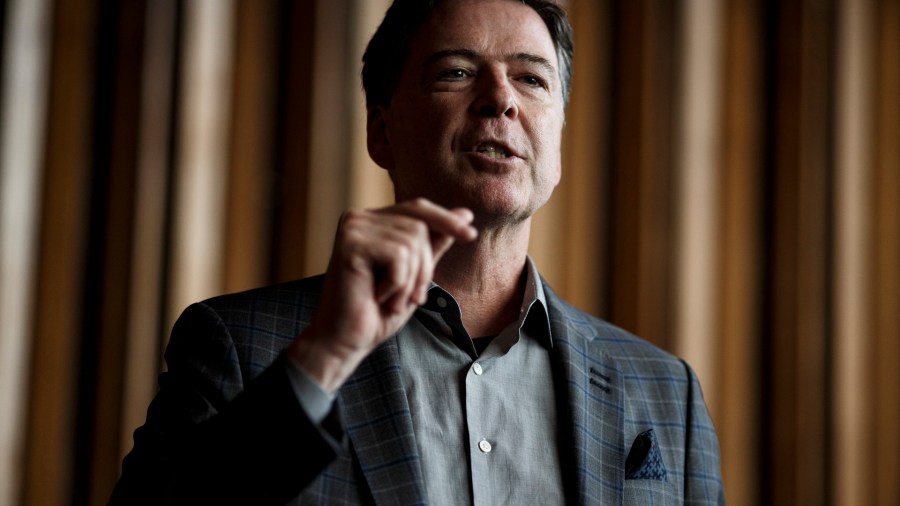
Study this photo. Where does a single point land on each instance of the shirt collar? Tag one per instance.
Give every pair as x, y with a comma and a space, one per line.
534, 318
534, 306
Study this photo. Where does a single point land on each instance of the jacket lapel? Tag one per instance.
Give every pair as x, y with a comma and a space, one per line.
591, 384
379, 425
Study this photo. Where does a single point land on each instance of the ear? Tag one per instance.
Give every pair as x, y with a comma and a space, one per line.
377, 140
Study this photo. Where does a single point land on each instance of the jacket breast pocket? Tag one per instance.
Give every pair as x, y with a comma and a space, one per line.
654, 492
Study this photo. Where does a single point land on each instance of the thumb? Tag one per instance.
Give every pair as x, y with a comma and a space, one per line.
440, 245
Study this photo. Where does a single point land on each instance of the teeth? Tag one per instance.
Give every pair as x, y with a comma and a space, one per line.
493, 151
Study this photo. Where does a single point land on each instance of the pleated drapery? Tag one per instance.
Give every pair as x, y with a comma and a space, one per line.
731, 172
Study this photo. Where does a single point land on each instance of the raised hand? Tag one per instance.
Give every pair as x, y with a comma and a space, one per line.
381, 265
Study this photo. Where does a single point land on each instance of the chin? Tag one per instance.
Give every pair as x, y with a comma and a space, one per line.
498, 213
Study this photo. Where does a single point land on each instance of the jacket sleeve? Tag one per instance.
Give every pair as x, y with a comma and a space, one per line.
703, 472
212, 438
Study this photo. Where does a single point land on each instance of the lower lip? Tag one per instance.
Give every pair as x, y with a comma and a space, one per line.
484, 160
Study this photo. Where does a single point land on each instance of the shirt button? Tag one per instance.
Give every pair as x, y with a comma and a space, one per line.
441, 302
477, 368
484, 446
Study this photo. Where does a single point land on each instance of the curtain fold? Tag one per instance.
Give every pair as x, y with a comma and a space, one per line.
730, 179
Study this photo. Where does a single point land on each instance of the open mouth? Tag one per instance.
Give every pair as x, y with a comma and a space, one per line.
492, 151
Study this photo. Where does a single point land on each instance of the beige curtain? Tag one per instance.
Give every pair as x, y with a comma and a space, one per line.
731, 172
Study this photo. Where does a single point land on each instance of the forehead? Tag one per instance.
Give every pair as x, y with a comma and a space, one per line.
493, 28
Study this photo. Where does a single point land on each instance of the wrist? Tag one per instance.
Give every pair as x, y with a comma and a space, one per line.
324, 365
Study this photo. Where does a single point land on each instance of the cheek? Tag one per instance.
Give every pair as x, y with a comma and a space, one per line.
552, 174
557, 172
550, 145
423, 127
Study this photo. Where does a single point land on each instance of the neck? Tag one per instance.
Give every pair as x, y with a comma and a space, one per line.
486, 278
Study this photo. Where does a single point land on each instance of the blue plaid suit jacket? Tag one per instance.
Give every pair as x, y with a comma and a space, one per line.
226, 427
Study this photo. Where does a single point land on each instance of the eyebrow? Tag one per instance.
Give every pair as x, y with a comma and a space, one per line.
469, 53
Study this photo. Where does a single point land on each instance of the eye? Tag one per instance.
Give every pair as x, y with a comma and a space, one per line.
533, 81
453, 74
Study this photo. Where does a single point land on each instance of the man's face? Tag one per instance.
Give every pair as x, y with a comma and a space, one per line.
477, 116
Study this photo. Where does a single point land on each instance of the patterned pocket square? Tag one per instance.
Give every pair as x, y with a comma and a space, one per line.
644, 461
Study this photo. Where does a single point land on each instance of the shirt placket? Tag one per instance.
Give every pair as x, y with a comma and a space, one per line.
481, 437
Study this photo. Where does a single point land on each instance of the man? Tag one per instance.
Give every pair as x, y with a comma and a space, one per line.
431, 364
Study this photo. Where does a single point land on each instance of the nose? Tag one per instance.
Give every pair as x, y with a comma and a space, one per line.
495, 97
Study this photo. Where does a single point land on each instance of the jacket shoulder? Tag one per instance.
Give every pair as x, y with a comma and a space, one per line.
298, 293
589, 332
256, 324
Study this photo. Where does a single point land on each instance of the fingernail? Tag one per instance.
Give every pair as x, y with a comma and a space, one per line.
464, 214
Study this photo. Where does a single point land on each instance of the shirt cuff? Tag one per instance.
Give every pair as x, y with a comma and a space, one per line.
315, 401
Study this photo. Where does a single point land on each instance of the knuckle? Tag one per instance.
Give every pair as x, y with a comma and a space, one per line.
349, 220
357, 263
349, 234
419, 228
402, 253
352, 217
